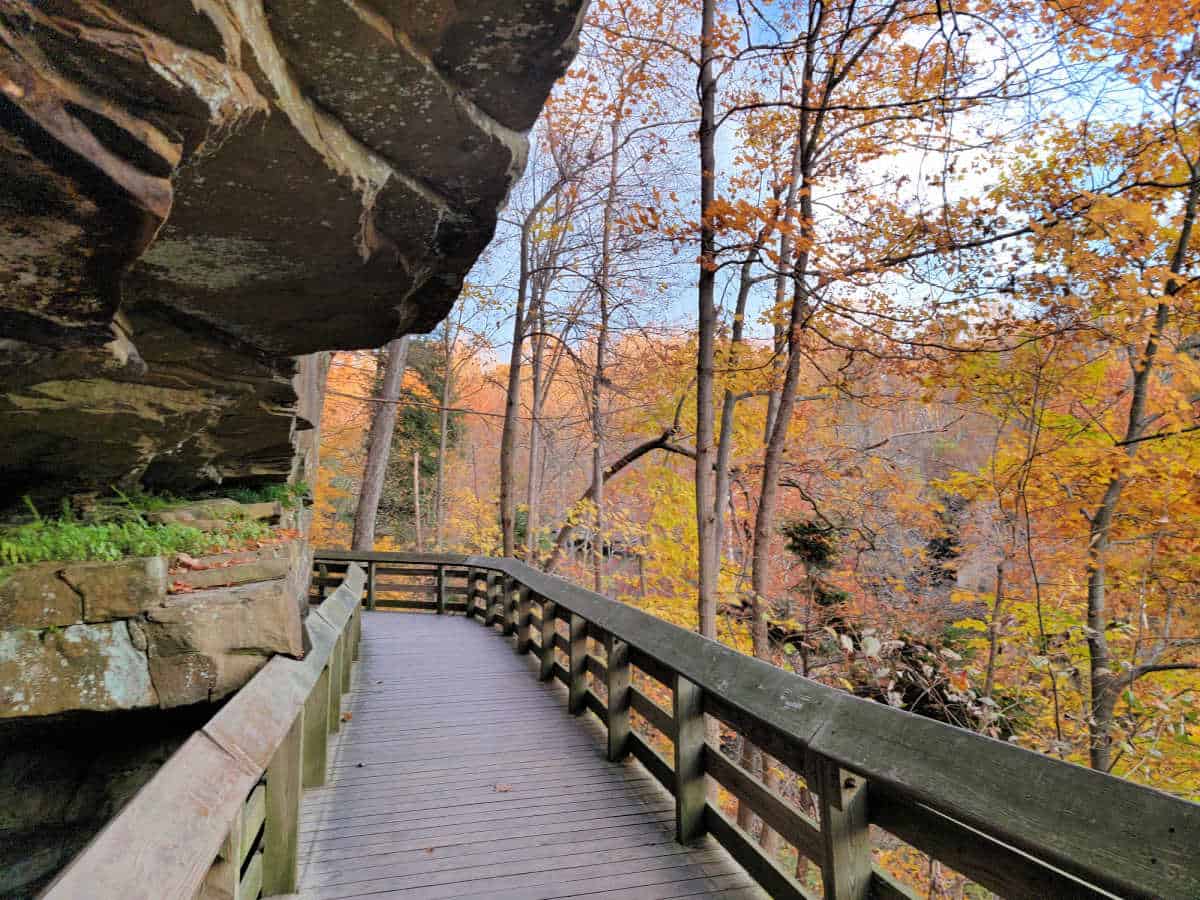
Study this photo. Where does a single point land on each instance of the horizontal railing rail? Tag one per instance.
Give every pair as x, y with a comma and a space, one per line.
1015, 822
220, 819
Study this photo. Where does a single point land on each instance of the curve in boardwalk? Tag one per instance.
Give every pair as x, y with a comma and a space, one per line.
459, 774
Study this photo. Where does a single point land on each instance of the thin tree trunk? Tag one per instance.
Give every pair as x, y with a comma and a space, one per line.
779, 342
379, 446
508, 435
707, 316
417, 499
533, 499
603, 285
443, 429
989, 680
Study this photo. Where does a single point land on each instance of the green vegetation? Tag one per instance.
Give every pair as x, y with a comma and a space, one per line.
289, 495
115, 537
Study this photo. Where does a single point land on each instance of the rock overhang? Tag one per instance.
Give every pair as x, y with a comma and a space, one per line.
197, 193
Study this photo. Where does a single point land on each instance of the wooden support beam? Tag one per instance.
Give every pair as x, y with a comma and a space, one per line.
690, 789
549, 631
347, 656
493, 591
524, 617
845, 830
370, 585
577, 668
508, 605
619, 696
335, 688
441, 590
281, 833
316, 732
472, 591
322, 580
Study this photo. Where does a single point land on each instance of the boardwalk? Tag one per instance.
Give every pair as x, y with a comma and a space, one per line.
460, 775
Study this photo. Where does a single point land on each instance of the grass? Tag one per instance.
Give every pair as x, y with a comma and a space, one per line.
67, 539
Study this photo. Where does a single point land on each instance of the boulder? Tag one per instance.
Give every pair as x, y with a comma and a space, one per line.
117, 590
36, 597
206, 644
80, 667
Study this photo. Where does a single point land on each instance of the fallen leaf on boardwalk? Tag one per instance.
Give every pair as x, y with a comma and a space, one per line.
178, 587
428, 849
346, 717
503, 788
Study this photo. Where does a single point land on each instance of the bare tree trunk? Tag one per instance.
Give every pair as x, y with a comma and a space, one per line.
508, 436
706, 600
443, 429
533, 499
379, 445
417, 499
779, 343
603, 285
989, 680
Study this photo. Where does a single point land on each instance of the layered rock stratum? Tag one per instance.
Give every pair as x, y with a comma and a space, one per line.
195, 194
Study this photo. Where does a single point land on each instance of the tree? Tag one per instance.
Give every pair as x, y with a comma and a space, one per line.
379, 445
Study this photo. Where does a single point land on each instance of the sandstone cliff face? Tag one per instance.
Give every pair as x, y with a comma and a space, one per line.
194, 194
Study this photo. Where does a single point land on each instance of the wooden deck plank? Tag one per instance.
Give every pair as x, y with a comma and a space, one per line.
459, 774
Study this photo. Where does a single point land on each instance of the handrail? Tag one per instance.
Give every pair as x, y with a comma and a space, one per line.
1017, 822
194, 825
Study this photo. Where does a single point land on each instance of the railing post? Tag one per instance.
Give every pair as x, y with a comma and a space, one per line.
357, 631
508, 607
281, 833
335, 687
845, 831
322, 574
347, 654
690, 792
577, 669
549, 630
619, 696
316, 732
371, 584
489, 600
472, 591
524, 625
441, 590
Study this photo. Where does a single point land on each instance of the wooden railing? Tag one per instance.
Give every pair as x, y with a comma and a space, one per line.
1015, 822
220, 819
